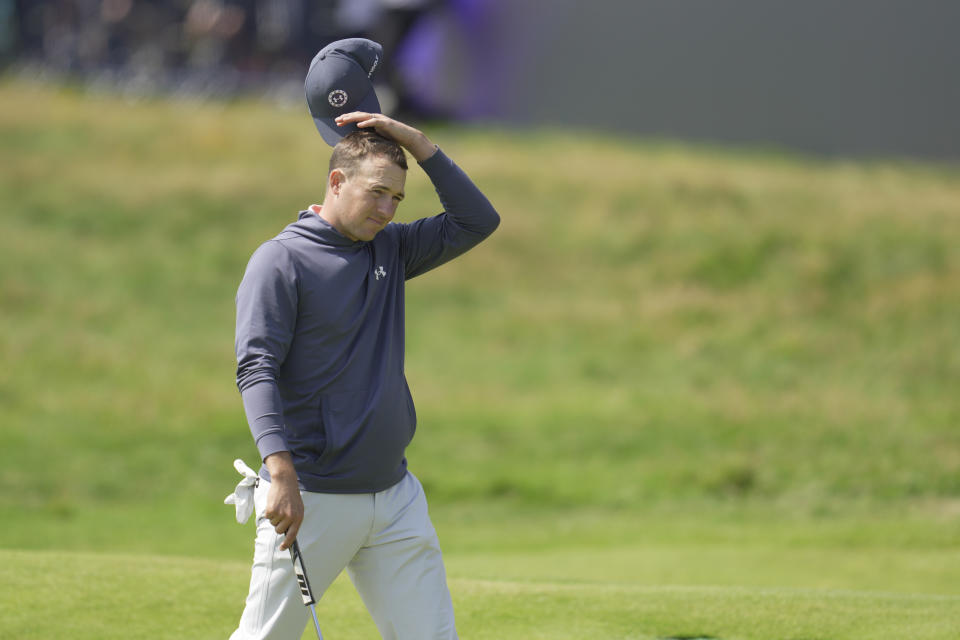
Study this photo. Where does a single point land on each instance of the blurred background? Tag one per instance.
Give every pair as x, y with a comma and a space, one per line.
864, 77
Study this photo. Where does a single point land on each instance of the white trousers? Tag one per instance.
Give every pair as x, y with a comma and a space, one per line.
386, 543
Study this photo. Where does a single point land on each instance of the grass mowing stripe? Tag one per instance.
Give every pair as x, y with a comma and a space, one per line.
728, 613
823, 569
724, 590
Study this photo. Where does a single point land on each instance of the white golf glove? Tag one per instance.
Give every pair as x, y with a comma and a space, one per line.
242, 496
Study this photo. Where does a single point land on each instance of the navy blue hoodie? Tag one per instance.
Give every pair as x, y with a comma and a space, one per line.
320, 337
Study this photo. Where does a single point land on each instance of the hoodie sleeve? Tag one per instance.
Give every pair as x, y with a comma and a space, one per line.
266, 317
467, 218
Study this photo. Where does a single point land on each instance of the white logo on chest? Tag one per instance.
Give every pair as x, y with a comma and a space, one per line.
379, 272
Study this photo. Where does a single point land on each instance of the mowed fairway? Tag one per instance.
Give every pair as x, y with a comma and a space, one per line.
681, 392
111, 596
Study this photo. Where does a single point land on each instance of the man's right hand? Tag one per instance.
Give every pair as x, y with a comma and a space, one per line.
413, 140
284, 504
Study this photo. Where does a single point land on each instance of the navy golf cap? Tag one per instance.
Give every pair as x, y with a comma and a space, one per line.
340, 81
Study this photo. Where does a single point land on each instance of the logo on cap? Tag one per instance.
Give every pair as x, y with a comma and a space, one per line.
337, 98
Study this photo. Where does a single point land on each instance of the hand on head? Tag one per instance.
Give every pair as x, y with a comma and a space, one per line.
411, 139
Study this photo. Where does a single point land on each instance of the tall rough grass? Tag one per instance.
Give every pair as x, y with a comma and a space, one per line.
652, 326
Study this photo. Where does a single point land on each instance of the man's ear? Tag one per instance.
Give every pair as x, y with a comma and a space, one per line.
335, 181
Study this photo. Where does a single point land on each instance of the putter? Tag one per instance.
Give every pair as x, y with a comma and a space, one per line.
305, 591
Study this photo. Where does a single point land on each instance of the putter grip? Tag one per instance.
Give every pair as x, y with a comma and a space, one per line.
305, 591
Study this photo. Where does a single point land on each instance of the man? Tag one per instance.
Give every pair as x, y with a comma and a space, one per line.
320, 352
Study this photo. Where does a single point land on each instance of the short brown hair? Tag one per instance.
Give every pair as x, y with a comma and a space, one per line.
361, 144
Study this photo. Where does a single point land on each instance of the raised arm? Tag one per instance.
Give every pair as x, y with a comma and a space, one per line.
467, 218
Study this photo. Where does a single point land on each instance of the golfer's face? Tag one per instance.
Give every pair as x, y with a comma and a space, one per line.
371, 195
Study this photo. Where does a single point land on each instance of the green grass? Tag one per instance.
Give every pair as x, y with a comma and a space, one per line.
55, 594
680, 391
